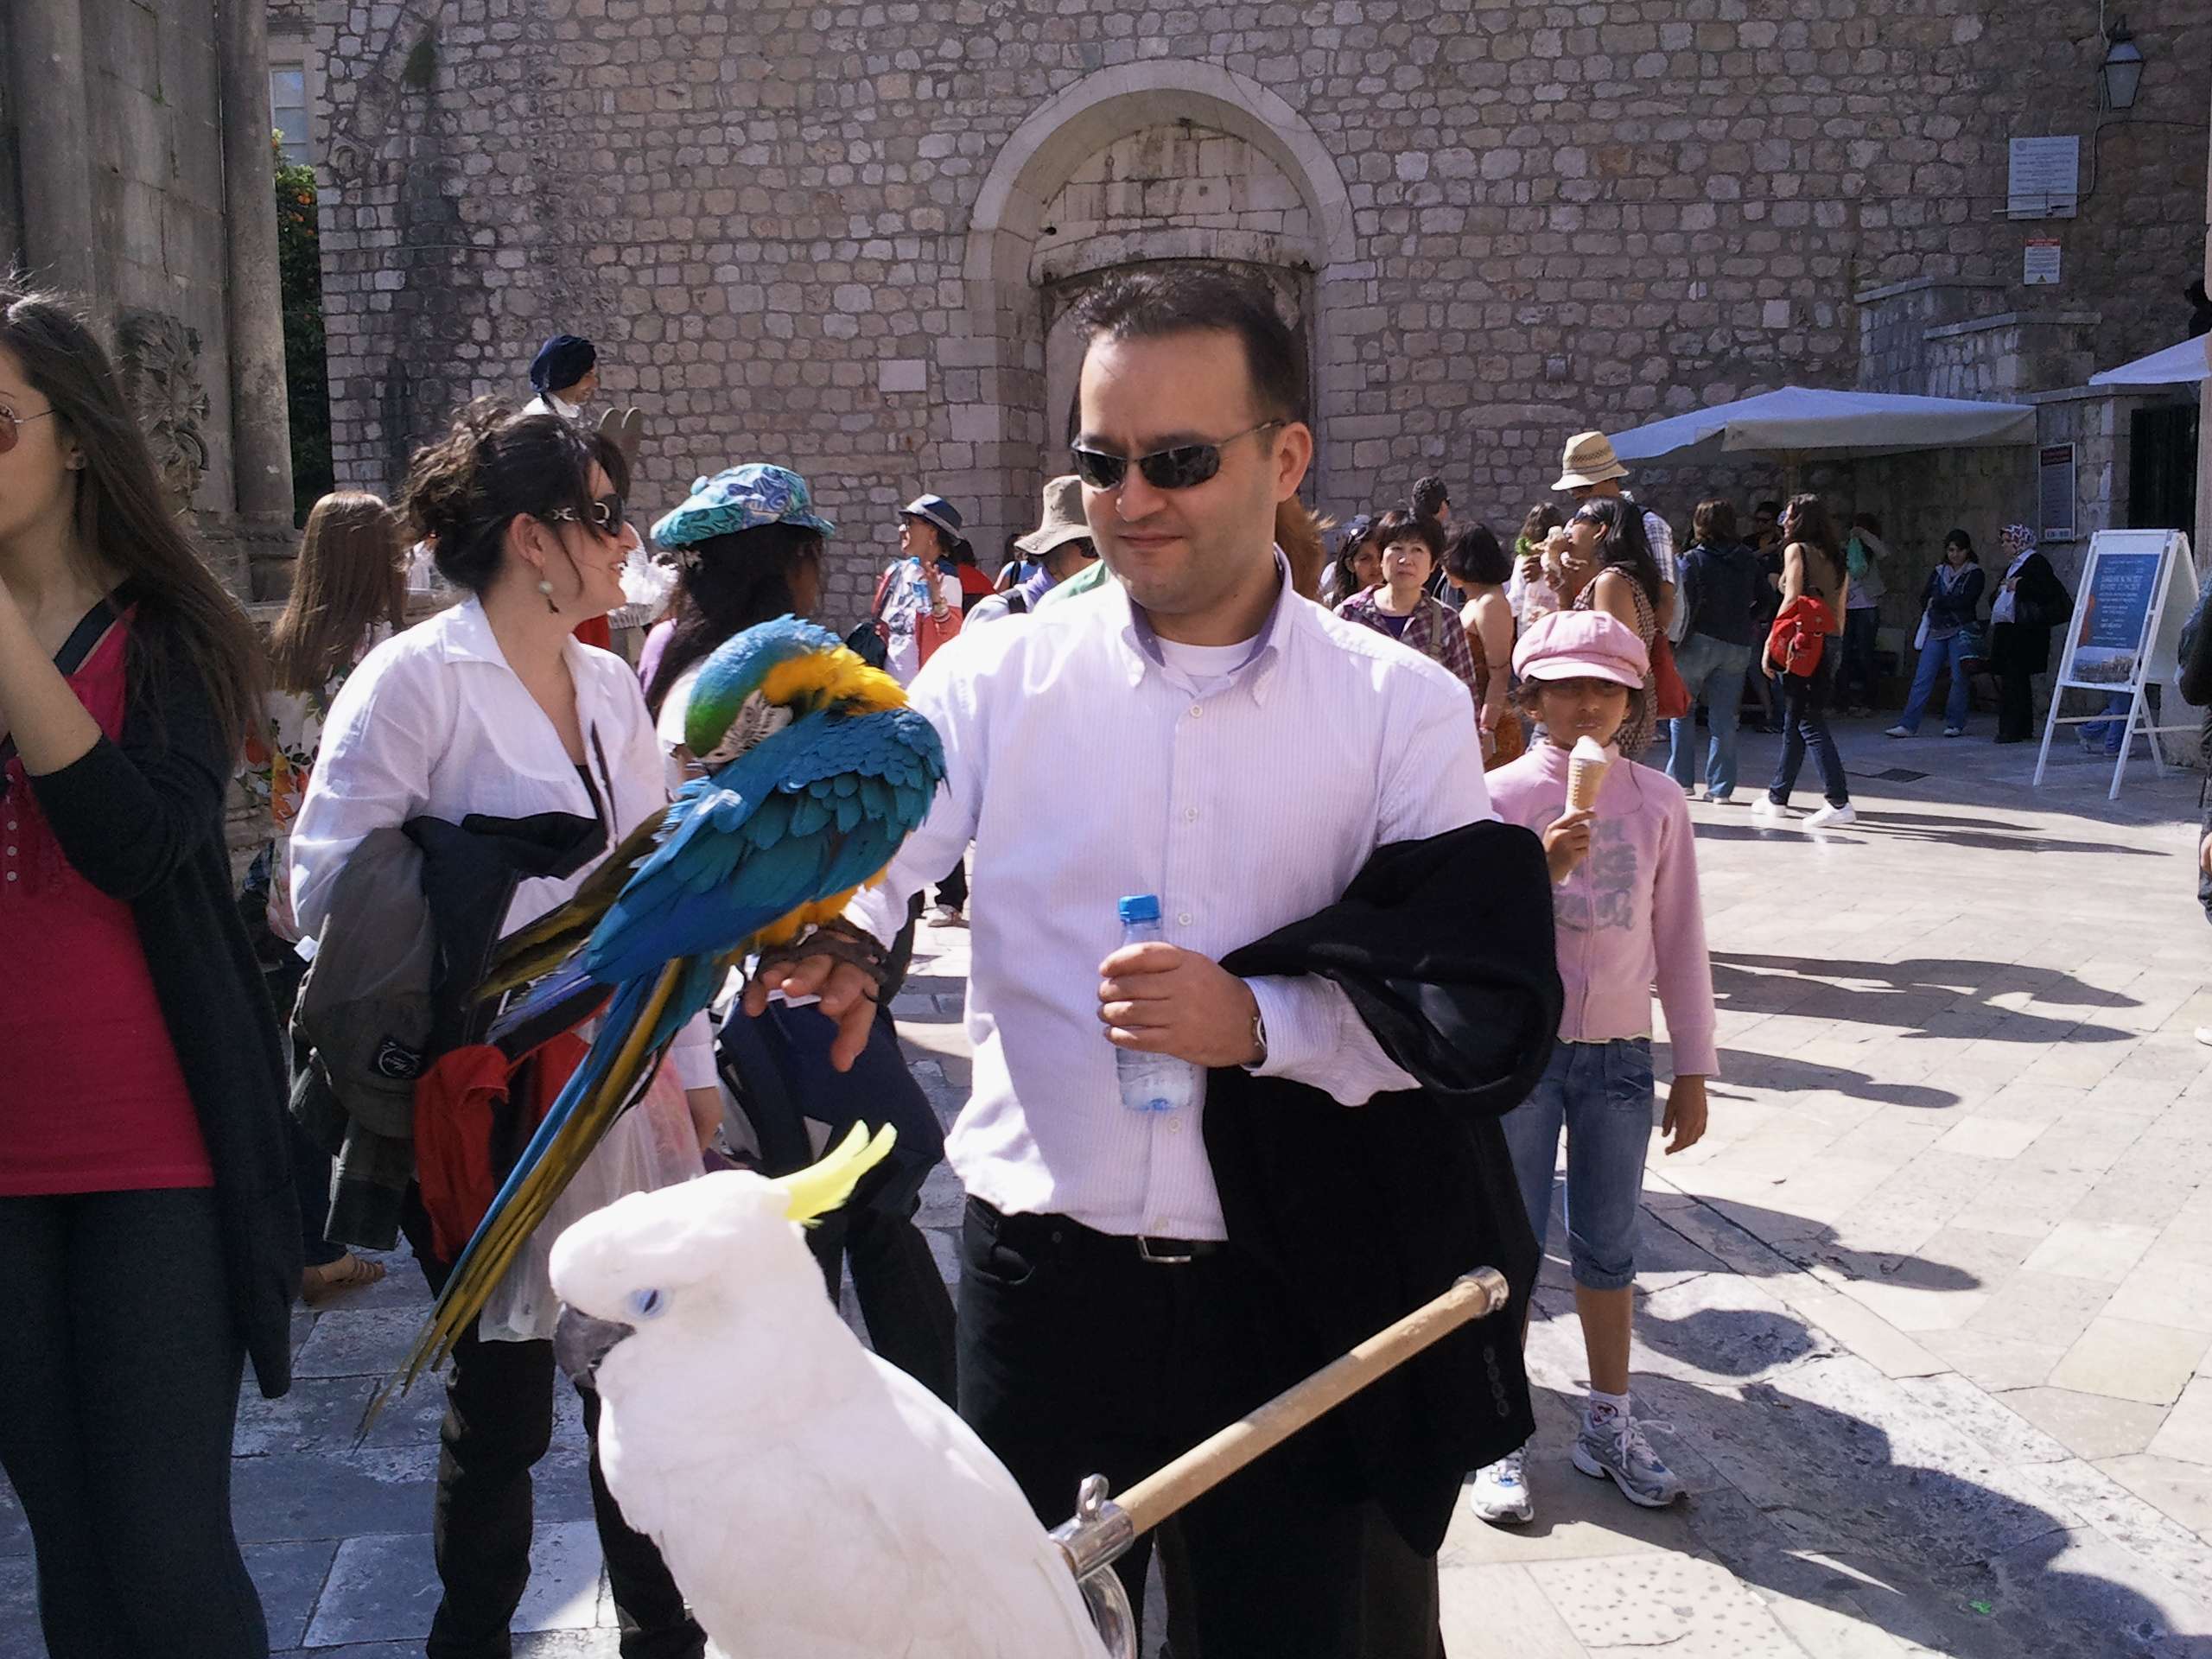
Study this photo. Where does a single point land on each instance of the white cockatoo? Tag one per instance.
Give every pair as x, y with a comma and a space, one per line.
812, 1501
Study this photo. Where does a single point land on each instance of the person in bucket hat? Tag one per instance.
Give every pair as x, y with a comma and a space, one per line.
1589, 468
1061, 544
917, 600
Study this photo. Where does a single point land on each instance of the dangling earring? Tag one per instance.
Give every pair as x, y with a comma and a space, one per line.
546, 589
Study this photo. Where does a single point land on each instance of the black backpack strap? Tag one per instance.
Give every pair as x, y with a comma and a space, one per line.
1016, 604
83, 639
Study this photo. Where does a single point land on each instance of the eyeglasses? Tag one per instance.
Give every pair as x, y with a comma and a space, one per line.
9, 420
603, 515
1183, 467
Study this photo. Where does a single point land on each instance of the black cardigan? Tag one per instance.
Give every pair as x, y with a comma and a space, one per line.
1445, 949
142, 820
2040, 603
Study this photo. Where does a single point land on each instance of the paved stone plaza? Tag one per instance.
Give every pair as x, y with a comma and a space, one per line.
1926, 1318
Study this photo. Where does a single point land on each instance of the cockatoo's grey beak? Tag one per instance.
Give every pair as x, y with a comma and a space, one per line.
580, 1342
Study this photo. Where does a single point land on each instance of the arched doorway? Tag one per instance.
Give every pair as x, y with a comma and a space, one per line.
1141, 163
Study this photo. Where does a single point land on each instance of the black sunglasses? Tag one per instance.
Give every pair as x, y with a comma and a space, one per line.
1183, 467
603, 515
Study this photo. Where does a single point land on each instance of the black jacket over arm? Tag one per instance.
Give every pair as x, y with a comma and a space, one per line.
1444, 947
142, 820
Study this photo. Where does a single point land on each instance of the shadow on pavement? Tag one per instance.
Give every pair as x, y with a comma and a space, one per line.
1780, 1074
1915, 993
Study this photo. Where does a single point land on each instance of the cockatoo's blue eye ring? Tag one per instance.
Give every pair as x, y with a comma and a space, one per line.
645, 1304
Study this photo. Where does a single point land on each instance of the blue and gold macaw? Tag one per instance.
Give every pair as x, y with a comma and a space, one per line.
815, 771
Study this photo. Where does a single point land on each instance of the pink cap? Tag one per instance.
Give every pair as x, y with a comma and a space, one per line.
1582, 644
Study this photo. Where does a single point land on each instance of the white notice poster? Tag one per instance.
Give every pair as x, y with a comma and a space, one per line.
2045, 177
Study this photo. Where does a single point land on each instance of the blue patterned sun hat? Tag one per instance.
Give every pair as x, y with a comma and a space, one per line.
740, 498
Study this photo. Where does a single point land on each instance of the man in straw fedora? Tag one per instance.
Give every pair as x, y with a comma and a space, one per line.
1061, 545
1590, 469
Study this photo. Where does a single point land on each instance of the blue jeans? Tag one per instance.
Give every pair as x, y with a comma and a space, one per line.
1935, 657
1600, 1094
1805, 731
1713, 672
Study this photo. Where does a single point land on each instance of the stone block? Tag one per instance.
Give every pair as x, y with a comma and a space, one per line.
2131, 1361
897, 375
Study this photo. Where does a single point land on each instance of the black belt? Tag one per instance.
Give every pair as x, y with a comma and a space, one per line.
1062, 1232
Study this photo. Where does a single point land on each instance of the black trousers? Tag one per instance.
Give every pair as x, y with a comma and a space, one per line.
1859, 681
953, 890
896, 1282
1077, 1357
118, 1400
499, 1423
2016, 700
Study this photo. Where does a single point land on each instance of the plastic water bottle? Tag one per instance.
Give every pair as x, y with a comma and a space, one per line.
1150, 1083
921, 583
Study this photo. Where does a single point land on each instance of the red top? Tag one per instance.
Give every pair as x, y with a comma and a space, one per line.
95, 1101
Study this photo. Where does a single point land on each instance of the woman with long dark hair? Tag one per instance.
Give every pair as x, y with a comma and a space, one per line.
492, 711
348, 595
149, 1238
1605, 535
1812, 567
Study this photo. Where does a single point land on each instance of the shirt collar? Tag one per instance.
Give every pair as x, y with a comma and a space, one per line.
1254, 674
468, 638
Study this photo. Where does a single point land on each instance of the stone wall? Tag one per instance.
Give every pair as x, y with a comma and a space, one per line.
1501, 222
121, 181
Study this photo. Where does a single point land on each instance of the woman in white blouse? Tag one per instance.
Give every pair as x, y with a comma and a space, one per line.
494, 708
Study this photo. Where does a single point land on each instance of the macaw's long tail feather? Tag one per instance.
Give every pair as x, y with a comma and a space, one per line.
542, 946
620, 1060
561, 1001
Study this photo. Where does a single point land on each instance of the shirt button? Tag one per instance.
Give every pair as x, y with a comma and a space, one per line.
11, 875
1174, 1126
1196, 711
1190, 815
1184, 920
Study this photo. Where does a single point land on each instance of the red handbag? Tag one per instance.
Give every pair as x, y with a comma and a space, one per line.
1799, 633
1671, 695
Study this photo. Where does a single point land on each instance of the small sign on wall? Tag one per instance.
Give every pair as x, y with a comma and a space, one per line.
2044, 180
2039, 261
2055, 491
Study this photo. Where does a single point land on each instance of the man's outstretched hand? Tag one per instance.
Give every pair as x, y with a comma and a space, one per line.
847, 992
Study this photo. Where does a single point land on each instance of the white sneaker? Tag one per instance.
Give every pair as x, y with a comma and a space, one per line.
1955, 731
1616, 1449
1900, 731
1832, 817
1767, 810
1721, 799
1500, 1494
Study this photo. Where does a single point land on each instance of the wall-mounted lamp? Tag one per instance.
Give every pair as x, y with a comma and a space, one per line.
2121, 72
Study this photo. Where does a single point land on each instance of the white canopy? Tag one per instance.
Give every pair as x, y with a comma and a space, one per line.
1840, 425
2192, 359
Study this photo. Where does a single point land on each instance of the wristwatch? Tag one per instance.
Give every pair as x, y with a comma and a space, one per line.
1259, 1038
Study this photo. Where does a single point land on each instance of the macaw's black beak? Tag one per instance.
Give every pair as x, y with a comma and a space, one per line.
580, 1342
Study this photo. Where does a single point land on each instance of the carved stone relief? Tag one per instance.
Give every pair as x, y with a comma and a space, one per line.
159, 360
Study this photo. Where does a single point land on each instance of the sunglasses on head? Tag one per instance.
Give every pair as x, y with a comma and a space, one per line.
1184, 466
9, 420
603, 515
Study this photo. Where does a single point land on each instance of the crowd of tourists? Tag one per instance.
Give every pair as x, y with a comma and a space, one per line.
242, 1097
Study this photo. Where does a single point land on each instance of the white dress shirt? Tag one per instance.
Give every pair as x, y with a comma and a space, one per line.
435, 723
1086, 764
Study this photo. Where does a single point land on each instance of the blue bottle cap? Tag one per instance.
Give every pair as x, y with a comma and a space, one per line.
1140, 907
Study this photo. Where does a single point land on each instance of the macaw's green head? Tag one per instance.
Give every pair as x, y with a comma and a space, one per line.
757, 683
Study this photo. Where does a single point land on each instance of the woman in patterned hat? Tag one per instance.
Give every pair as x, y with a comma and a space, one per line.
748, 548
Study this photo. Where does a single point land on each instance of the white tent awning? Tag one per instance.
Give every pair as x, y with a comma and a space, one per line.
1837, 425
2191, 359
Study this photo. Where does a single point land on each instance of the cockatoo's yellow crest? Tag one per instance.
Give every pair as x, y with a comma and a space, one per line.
821, 1188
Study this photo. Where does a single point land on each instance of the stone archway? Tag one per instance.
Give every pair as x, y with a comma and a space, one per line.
999, 443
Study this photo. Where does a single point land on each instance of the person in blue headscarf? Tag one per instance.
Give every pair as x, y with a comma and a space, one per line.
565, 374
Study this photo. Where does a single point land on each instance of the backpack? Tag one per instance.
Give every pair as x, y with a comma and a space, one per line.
1799, 633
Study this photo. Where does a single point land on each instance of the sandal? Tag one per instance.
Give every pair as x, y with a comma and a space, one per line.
349, 1272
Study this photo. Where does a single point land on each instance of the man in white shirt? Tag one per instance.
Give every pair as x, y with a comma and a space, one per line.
1196, 731
1589, 468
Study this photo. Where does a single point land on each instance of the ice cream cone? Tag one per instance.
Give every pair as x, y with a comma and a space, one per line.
1586, 764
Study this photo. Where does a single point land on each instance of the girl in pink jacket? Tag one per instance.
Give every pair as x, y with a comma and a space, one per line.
1627, 914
